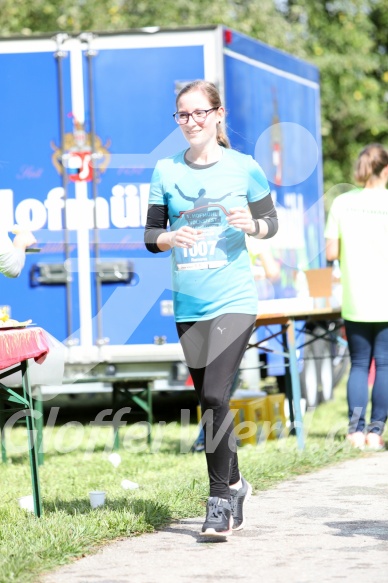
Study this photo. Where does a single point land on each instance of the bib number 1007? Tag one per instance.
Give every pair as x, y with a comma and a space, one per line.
206, 254
201, 249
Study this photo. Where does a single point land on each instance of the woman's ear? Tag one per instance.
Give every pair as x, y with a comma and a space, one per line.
384, 173
220, 114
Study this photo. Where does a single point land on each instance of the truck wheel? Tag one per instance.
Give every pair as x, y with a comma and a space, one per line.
309, 377
341, 363
325, 371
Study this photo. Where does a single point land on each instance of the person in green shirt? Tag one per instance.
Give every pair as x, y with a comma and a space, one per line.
357, 235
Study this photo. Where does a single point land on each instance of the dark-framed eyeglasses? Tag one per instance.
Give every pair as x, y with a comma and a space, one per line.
199, 115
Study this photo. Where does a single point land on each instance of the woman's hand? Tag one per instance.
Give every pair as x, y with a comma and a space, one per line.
240, 218
185, 237
24, 239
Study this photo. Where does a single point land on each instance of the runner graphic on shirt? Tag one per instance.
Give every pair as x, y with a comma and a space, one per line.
211, 251
201, 215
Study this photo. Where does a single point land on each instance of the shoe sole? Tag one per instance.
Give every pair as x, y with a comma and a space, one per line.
212, 533
247, 497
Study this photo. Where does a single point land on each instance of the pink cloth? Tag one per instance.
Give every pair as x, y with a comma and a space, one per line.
20, 344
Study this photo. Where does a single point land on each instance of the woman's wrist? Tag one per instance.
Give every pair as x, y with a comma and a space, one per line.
255, 228
171, 239
166, 241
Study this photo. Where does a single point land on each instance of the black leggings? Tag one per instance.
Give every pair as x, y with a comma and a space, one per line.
213, 350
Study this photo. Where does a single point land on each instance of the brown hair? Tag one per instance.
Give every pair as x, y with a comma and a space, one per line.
211, 92
370, 163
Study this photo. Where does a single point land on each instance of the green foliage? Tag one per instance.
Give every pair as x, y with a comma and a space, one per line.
45, 16
345, 39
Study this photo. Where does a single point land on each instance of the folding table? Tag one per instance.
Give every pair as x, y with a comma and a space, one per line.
17, 345
289, 351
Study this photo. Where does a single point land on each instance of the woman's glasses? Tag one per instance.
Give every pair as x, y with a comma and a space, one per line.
199, 115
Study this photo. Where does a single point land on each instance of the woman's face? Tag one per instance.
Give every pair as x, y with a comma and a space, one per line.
199, 133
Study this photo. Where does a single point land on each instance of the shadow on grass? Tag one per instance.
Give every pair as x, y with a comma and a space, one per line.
170, 447
23, 458
154, 513
337, 437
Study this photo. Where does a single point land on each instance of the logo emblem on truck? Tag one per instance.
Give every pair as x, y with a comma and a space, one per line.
78, 160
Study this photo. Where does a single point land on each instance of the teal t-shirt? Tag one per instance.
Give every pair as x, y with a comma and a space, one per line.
214, 276
359, 219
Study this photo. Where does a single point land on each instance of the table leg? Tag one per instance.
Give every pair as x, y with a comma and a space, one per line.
122, 393
150, 412
38, 407
116, 393
2, 433
287, 379
31, 440
295, 384
115, 406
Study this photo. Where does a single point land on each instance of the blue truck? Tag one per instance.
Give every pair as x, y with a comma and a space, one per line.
85, 118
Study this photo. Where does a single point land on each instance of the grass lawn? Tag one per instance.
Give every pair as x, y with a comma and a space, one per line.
171, 484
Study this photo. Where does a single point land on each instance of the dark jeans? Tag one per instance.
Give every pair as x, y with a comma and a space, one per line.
213, 350
367, 340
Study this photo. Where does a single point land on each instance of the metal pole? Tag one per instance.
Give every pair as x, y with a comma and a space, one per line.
32, 449
295, 383
90, 53
59, 55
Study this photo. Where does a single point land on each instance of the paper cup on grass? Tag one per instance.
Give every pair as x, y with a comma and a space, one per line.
115, 459
96, 499
27, 503
128, 485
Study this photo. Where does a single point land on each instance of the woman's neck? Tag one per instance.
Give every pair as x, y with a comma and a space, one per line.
202, 156
376, 182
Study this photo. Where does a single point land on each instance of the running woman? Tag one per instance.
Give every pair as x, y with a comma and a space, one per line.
211, 196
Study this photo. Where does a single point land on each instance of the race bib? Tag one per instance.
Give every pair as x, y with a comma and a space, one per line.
209, 252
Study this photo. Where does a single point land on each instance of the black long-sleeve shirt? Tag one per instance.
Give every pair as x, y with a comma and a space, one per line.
157, 219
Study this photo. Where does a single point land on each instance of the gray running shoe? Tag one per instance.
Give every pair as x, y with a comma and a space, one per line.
237, 500
219, 519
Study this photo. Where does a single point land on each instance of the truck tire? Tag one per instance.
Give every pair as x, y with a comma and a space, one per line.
341, 362
325, 370
309, 377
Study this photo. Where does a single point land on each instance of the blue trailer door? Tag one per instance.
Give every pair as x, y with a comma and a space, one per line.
31, 194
